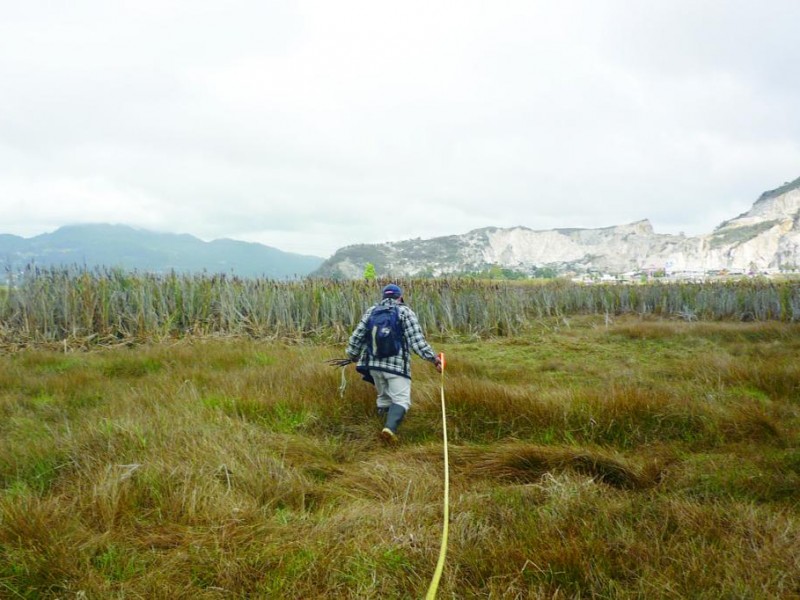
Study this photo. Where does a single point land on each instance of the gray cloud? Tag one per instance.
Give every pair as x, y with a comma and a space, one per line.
313, 125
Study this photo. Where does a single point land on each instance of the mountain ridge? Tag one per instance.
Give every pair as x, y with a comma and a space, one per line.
115, 245
766, 238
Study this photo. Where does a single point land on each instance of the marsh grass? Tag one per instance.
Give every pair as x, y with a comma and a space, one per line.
619, 460
110, 306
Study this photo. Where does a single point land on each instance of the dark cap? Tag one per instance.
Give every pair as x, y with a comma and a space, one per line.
392, 291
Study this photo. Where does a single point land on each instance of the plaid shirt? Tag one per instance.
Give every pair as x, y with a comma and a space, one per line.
401, 363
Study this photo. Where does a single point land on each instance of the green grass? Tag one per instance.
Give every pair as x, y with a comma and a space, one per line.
740, 234
77, 307
628, 459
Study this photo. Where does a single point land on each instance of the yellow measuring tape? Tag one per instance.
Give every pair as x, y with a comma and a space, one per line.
437, 574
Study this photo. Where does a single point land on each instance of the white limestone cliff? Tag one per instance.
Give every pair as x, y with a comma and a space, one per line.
766, 238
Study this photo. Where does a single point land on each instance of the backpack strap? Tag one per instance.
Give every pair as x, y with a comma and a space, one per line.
404, 342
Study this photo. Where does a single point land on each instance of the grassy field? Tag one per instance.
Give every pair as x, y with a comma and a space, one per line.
590, 458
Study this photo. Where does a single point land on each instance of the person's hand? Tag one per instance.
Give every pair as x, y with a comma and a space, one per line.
438, 363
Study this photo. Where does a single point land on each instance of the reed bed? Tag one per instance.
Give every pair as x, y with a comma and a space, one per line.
107, 305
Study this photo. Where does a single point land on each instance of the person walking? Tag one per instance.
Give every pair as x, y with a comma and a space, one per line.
381, 345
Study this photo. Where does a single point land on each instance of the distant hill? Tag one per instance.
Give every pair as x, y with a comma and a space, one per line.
764, 239
130, 248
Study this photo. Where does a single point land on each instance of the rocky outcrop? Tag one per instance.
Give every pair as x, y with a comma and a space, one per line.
766, 238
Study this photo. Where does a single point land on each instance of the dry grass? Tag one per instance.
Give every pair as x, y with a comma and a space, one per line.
587, 461
525, 463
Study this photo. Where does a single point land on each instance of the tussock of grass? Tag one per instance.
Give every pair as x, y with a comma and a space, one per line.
530, 463
527, 463
487, 410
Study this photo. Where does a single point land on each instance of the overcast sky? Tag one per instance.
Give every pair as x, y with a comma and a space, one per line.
311, 125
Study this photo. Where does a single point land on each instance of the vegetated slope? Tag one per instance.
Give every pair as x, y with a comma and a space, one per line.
765, 238
589, 458
129, 248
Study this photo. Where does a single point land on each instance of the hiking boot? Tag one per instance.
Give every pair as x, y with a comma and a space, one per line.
388, 436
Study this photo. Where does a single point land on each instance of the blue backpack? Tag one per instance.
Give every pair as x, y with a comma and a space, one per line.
385, 332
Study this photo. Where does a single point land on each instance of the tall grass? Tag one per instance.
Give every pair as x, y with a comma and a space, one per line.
636, 459
108, 305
